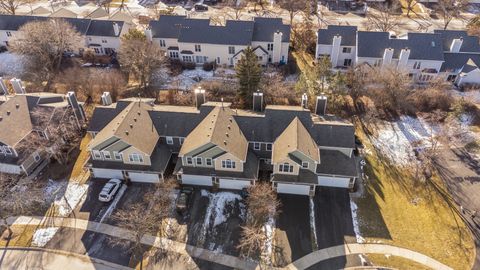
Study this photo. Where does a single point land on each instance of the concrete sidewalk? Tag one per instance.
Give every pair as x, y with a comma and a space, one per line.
223, 259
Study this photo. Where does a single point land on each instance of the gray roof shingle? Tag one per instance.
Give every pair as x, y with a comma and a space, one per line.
455, 61
348, 34
104, 28
264, 28
469, 44
334, 162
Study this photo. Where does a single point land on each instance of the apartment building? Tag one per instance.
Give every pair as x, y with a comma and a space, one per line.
198, 41
214, 145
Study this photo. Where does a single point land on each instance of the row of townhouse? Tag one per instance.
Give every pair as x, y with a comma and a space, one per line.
102, 36
453, 54
214, 145
27, 118
197, 41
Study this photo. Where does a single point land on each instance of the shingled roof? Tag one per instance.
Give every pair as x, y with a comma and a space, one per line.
469, 43
15, 122
348, 34
219, 128
295, 138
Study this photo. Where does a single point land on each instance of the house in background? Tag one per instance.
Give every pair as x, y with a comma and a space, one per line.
25, 118
197, 41
452, 54
103, 36
217, 146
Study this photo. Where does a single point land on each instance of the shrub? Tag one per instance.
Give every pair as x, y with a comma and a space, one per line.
208, 66
175, 67
428, 100
189, 65
3, 49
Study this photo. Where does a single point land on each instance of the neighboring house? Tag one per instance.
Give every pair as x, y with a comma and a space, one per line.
25, 117
103, 36
452, 54
215, 145
197, 41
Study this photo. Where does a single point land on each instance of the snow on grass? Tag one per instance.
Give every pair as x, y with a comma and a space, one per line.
74, 194
43, 235
356, 227
269, 229
53, 188
11, 64
313, 227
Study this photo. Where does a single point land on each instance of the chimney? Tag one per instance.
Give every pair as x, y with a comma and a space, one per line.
148, 34
77, 108
456, 44
403, 58
277, 47
116, 29
17, 86
387, 57
305, 101
258, 101
3, 87
337, 41
321, 106
106, 99
199, 97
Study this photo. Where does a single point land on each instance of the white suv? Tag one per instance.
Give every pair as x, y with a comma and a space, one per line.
109, 190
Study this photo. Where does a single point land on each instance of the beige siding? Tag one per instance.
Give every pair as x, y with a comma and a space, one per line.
131, 150
296, 167
238, 163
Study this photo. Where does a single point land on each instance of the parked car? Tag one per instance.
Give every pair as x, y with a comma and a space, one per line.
182, 200
200, 7
109, 190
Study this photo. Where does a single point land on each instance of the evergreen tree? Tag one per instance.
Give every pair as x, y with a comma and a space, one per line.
248, 74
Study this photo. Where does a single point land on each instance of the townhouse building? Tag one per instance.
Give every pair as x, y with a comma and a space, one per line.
198, 41
214, 145
102, 36
29, 117
452, 54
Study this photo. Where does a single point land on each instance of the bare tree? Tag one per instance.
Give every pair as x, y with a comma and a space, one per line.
293, 7
43, 43
355, 80
410, 5
277, 91
384, 18
256, 3
141, 57
146, 217
252, 241
450, 9
11, 6
237, 8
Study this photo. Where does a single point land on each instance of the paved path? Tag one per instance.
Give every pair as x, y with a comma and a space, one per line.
39, 258
223, 259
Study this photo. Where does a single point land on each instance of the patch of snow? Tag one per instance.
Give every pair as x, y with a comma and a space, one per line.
363, 261
11, 64
313, 226
43, 235
204, 193
269, 229
356, 227
53, 187
74, 194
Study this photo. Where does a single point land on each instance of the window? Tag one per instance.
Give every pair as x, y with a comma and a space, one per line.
201, 59
9, 34
135, 158
36, 157
97, 50
104, 41
218, 60
169, 140
305, 165
416, 65
174, 54
377, 62
285, 167
347, 62
198, 161
8, 151
256, 146
231, 50
181, 139
451, 77
162, 43
198, 48
189, 160
259, 58
117, 156
228, 164
346, 50
107, 155
269, 147
187, 58
208, 161
97, 154
270, 47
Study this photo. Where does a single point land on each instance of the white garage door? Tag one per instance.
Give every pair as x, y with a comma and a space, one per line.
107, 173
333, 181
233, 183
293, 189
143, 177
198, 180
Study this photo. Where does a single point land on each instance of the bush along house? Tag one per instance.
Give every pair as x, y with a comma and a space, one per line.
197, 41
217, 146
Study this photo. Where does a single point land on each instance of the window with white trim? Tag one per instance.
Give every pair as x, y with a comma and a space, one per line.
285, 167
231, 50
162, 43
97, 154
346, 50
417, 65
256, 146
117, 155
9, 34
181, 139
228, 164
107, 155
174, 54
169, 140
189, 160
270, 47
198, 48
198, 161
269, 146
305, 164
135, 158
208, 161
